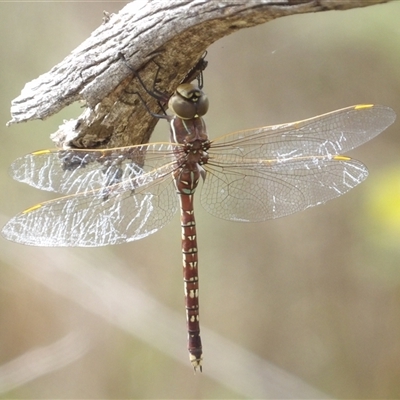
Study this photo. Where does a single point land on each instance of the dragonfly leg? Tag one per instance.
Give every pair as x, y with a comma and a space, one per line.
197, 72
161, 97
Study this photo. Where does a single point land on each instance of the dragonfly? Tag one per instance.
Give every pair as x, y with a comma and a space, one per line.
118, 195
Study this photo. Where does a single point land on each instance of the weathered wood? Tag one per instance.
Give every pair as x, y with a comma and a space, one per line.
173, 33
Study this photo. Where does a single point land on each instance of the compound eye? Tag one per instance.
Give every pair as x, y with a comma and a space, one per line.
202, 105
188, 102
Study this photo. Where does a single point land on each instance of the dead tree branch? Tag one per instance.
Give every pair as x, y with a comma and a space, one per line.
174, 33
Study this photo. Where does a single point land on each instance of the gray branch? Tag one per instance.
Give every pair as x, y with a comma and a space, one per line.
174, 34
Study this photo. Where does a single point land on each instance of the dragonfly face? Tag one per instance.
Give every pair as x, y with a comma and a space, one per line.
118, 195
188, 102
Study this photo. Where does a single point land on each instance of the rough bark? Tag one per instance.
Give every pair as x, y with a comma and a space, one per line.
175, 34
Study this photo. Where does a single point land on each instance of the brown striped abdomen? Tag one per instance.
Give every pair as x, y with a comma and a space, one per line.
186, 182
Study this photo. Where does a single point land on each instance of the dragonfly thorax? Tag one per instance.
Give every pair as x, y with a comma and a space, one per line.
185, 131
196, 153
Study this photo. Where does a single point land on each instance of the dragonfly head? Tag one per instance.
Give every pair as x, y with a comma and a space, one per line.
188, 102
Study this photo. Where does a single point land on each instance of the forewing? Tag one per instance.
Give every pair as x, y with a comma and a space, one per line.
121, 213
257, 191
325, 135
81, 170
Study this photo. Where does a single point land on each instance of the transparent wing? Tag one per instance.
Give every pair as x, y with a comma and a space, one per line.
81, 170
127, 211
257, 191
328, 134
274, 171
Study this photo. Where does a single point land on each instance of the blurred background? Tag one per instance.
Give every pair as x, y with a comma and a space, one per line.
307, 301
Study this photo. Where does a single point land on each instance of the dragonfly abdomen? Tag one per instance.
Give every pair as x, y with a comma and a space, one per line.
186, 183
